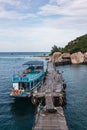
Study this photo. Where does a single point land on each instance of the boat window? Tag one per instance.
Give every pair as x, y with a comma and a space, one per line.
39, 68
35, 82
31, 84
23, 85
38, 80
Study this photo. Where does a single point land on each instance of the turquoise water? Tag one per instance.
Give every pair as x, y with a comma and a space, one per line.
19, 114
76, 93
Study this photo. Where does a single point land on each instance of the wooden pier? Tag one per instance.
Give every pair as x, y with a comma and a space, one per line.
51, 116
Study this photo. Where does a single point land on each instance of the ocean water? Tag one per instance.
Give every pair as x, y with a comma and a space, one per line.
19, 114
15, 114
75, 77
23, 54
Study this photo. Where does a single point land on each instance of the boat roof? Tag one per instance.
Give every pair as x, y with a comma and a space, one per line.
34, 63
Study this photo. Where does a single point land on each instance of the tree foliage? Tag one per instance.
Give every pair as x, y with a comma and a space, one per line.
55, 49
79, 44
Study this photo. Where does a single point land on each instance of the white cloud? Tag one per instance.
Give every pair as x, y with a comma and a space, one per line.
72, 8
48, 10
14, 14
59, 2
69, 22
16, 4
73, 14
11, 2
35, 39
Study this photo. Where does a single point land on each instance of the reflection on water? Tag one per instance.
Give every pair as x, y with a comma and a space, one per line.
22, 106
23, 114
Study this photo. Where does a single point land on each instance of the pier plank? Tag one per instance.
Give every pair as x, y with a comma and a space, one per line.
45, 118
51, 121
49, 101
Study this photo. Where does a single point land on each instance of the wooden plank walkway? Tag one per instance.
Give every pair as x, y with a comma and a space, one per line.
49, 101
49, 117
51, 121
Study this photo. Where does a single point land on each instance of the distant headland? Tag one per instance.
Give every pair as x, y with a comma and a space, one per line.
73, 53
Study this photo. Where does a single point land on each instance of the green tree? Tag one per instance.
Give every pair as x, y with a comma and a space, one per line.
56, 49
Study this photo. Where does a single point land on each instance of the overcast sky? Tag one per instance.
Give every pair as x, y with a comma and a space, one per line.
36, 25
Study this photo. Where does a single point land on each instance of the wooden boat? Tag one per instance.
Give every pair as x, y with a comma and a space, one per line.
29, 81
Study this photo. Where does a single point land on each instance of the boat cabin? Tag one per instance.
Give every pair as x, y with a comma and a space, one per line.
30, 79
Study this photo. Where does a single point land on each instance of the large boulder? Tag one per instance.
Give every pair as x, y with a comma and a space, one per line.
50, 59
55, 56
66, 56
85, 57
60, 58
77, 58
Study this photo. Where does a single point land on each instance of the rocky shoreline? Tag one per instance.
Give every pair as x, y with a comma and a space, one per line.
63, 59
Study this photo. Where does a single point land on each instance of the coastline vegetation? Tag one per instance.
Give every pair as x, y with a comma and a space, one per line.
79, 44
